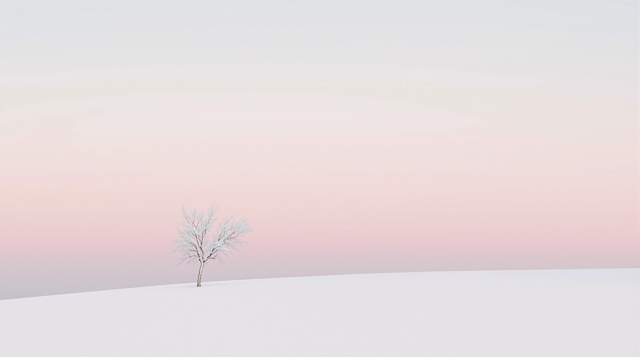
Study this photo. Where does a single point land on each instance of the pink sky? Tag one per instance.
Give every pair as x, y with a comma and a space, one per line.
428, 163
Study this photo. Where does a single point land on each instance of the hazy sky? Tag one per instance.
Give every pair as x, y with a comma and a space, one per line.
355, 137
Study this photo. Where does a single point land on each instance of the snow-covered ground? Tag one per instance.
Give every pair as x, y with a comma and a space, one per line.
543, 313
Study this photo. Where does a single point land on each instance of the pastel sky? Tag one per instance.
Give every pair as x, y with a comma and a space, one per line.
355, 136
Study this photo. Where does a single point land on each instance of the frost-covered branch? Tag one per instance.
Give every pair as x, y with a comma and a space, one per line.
228, 238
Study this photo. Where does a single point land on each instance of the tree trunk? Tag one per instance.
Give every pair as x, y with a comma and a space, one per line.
200, 274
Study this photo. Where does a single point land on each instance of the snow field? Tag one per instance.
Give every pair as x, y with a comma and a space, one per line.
481, 313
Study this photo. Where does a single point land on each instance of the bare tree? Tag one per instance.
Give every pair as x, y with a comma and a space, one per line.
199, 244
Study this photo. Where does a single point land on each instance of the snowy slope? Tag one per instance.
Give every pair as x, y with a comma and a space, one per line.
488, 313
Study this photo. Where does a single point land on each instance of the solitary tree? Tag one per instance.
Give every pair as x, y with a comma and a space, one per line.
199, 244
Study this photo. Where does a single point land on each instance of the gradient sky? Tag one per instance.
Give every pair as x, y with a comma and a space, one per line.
354, 136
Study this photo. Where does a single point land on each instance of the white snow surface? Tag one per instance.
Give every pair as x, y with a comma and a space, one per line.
476, 313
